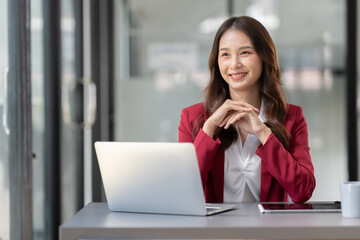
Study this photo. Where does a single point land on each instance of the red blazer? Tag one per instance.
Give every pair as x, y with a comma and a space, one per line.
283, 172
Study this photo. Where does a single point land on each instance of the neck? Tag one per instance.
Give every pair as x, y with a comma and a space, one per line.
252, 98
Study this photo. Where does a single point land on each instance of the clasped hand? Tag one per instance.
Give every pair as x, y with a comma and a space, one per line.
240, 114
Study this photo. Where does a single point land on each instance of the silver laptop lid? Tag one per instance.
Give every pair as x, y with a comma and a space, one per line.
151, 177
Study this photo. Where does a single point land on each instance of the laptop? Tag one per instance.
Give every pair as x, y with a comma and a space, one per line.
149, 177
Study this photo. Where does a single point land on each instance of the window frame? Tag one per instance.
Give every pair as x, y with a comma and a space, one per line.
20, 119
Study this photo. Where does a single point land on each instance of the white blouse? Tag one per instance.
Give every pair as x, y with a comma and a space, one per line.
242, 170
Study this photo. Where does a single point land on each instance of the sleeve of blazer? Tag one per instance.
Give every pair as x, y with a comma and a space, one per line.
293, 169
205, 146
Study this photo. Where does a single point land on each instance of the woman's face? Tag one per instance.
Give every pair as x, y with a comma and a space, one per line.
239, 64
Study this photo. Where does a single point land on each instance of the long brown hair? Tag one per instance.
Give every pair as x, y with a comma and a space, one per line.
271, 91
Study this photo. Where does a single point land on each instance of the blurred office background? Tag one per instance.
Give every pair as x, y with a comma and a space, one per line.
122, 70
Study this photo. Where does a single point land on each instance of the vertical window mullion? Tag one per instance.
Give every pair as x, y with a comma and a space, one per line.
52, 136
20, 123
351, 90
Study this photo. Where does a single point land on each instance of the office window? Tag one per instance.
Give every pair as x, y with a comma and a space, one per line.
160, 66
162, 48
312, 61
313, 70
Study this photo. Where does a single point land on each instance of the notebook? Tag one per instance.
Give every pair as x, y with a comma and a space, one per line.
152, 177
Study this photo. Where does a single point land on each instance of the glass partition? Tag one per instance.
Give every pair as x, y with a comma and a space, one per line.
162, 48
161, 66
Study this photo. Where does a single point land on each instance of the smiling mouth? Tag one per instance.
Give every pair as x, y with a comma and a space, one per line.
237, 76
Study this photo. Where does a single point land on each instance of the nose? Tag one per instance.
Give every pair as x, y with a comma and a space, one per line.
235, 63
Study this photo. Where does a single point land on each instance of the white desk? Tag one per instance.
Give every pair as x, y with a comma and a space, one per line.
95, 221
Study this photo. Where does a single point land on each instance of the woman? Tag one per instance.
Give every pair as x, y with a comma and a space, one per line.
251, 145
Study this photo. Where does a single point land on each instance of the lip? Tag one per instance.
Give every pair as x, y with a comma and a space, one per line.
238, 75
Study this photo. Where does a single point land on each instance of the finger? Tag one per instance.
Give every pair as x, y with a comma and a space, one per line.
230, 120
229, 108
227, 124
235, 118
219, 115
237, 108
226, 119
232, 114
241, 107
247, 105
240, 103
238, 117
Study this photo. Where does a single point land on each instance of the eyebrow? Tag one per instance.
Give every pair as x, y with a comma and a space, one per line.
241, 48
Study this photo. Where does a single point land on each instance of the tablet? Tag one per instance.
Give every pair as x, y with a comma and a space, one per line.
300, 208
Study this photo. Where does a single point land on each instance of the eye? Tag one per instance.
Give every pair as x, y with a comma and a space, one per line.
245, 53
224, 54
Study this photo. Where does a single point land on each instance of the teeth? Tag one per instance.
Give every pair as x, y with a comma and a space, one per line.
238, 75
